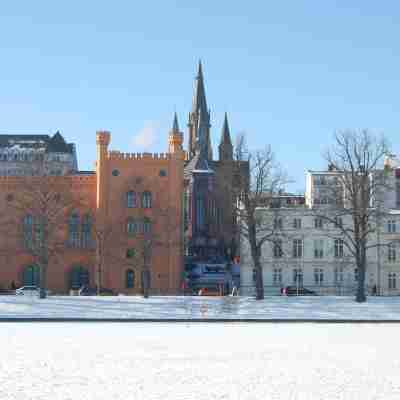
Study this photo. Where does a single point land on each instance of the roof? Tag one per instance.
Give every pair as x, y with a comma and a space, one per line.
50, 144
197, 164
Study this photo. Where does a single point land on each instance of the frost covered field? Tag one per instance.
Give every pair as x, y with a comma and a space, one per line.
387, 308
185, 361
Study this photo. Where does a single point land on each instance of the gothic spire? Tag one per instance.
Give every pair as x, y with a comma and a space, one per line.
199, 97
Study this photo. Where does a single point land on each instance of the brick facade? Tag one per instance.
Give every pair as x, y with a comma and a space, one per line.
102, 198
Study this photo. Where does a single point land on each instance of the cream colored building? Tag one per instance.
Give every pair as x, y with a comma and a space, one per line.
313, 254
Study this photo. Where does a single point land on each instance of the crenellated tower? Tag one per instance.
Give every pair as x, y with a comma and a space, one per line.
175, 139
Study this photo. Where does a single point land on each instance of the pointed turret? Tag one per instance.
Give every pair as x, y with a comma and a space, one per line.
175, 126
225, 147
175, 139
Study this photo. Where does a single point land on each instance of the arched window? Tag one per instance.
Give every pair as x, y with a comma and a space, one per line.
79, 277
130, 278
146, 226
132, 226
200, 217
27, 227
131, 200
31, 276
73, 230
86, 231
146, 199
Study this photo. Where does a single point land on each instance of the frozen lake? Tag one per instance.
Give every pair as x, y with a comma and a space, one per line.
198, 361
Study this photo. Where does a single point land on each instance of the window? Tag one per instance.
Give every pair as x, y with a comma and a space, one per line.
338, 248
278, 248
73, 230
28, 231
391, 252
297, 248
318, 223
298, 276
130, 279
278, 223
200, 215
318, 248
277, 276
86, 231
320, 180
131, 200
391, 226
146, 200
338, 222
163, 172
297, 223
146, 226
338, 275
115, 172
392, 280
130, 253
318, 276
132, 226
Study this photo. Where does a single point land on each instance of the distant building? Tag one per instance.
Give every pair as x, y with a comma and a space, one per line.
36, 155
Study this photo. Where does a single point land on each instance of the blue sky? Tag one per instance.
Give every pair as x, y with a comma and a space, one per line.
288, 73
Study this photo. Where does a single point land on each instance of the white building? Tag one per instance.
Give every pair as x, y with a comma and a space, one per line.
314, 256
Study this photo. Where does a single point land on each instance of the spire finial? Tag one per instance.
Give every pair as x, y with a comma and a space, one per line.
175, 126
200, 70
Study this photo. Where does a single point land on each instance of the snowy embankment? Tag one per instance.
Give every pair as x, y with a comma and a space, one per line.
126, 307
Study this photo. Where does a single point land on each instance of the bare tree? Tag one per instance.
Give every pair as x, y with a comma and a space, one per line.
255, 191
36, 220
351, 197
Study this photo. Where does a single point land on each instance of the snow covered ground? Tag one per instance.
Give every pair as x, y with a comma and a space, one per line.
187, 361
200, 307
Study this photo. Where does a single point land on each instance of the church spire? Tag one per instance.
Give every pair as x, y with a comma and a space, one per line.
199, 119
225, 147
199, 97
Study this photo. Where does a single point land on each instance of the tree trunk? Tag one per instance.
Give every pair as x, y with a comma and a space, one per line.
255, 254
259, 280
43, 279
146, 282
361, 265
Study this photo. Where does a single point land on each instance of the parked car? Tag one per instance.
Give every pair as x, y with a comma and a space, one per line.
92, 291
27, 290
299, 291
209, 291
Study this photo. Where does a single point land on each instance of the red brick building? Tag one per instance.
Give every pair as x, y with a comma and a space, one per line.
121, 219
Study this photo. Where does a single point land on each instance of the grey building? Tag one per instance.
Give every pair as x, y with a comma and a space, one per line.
30, 155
